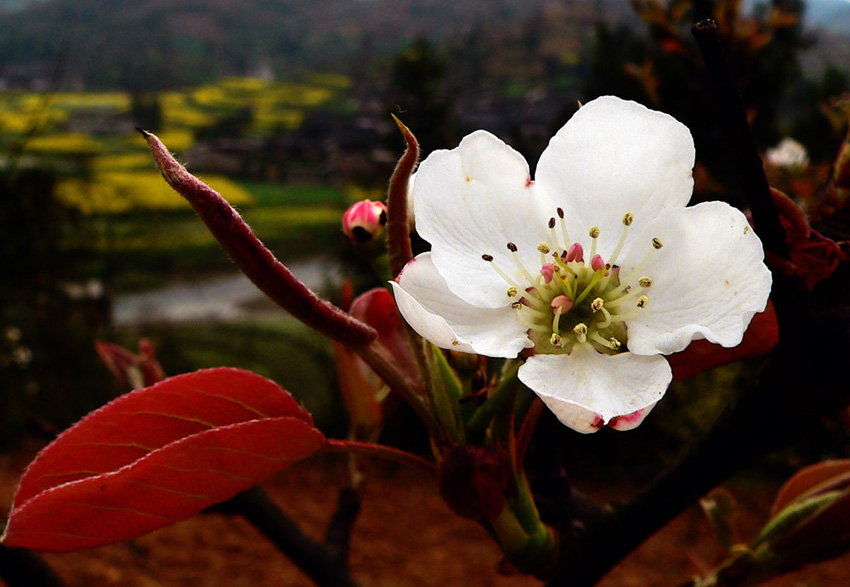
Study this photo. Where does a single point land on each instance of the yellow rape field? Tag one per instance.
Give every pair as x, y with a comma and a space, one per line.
64, 144
116, 192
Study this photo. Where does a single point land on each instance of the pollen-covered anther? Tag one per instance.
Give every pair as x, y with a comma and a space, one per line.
597, 304
642, 301
516, 305
556, 340
512, 247
656, 243
580, 331
645, 282
488, 258
615, 344
628, 218
512, 291
594, 232
544, 248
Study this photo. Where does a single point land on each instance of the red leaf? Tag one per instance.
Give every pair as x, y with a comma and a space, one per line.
701, 355
156, 456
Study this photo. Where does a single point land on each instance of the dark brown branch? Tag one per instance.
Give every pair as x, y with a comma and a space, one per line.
318, 561
23, 568
757, 190
338, 534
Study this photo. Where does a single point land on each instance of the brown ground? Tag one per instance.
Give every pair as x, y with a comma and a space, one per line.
404, 536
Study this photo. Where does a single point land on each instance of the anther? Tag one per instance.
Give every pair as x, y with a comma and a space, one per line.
628, 218
556, 341
615, 344
575, 253
645, 281
544, 248
656, 242
512, 291
488, 258
552, 222
512, 247
516, 305
560, 213
597, 304
594, 232
596, 263
580, 331
642, 301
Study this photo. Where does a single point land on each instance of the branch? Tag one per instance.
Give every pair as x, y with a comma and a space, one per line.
756, 188
311, 556
23, 568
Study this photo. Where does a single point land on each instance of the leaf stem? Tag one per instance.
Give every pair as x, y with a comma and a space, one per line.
377, 450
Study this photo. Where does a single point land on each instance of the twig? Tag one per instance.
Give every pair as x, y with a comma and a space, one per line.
338, 534
756, 188
311, 556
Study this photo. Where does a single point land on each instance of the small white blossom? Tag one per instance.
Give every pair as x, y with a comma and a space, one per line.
788, 154
593, 272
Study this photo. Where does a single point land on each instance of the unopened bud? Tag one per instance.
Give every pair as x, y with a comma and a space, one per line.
364, 221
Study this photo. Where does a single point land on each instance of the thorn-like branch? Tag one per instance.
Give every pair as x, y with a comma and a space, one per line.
398, 231
254, 259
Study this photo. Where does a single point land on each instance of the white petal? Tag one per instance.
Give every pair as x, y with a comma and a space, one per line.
709, 279
472, 201
614, 157
444, 319
587, 389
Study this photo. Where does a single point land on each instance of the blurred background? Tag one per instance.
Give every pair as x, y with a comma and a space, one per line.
284, 107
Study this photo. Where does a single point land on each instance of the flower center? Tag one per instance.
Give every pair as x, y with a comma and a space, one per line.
572, 299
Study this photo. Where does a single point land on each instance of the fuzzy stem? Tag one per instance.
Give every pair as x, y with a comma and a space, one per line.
398, 231
254, 259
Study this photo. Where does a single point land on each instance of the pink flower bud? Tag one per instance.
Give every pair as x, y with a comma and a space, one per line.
364, 221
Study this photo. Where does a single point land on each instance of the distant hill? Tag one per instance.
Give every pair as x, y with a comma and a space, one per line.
168, 43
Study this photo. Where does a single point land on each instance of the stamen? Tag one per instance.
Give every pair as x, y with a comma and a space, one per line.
596, 278
512, 291
594, 234
605, 323
656, 242
513, 249
580, 331
516, 305
554, 236
488, 258
628, 218
645, 282
564, 232
611, 343
556, 341
642, 301
597, 304
544, 248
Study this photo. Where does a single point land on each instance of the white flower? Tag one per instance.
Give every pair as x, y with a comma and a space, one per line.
788, 154
593, 271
